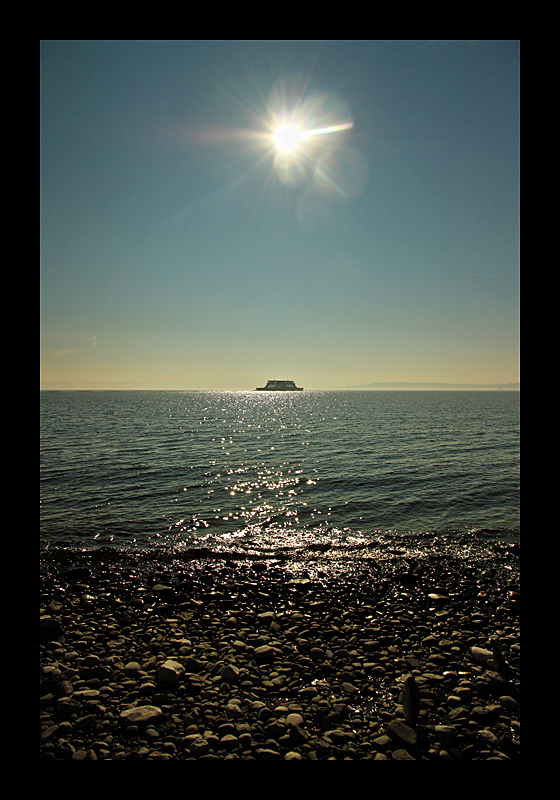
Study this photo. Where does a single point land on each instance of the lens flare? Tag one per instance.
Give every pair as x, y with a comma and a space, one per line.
301, 132
344, 126
288, 137
308, 137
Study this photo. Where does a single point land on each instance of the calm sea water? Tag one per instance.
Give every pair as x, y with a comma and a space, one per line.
253, 471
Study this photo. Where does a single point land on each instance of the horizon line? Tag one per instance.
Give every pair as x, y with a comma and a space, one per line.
378, 386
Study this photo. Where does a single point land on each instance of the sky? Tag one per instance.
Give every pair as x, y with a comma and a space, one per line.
214, 214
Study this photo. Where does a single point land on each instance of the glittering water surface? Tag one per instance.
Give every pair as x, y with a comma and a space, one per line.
243, 471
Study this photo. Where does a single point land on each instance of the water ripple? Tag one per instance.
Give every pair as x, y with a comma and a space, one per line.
232, 469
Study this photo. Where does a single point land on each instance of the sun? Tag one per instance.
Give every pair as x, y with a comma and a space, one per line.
287, 138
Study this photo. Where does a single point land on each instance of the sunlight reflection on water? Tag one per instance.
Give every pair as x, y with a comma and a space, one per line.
248, 469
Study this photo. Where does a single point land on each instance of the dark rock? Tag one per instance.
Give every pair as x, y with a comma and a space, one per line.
298, 735
266, 754
230, 673
264, 653
276, 729
411, 700
400, 754
499, 659
401, 735
50, 629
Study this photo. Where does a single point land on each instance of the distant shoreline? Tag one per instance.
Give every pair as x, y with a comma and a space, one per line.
403, 385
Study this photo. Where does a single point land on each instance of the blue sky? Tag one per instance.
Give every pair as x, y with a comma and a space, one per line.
180, 248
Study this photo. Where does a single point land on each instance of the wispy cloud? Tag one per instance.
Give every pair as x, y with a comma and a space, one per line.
69, 351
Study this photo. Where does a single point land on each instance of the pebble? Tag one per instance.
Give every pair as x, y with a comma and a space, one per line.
480, 654
170, 672
509, 703
137, 663
140, 715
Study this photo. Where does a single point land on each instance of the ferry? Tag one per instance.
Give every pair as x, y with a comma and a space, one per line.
279, 386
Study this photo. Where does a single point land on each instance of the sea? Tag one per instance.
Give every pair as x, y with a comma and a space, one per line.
269, 473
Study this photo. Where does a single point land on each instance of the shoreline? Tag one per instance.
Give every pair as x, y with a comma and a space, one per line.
409, 655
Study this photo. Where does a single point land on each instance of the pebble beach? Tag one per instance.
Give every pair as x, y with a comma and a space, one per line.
408, 650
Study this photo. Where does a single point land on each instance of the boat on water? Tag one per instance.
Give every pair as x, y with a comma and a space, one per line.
279, 386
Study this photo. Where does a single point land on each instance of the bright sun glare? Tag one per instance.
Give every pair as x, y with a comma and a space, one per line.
288, 137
